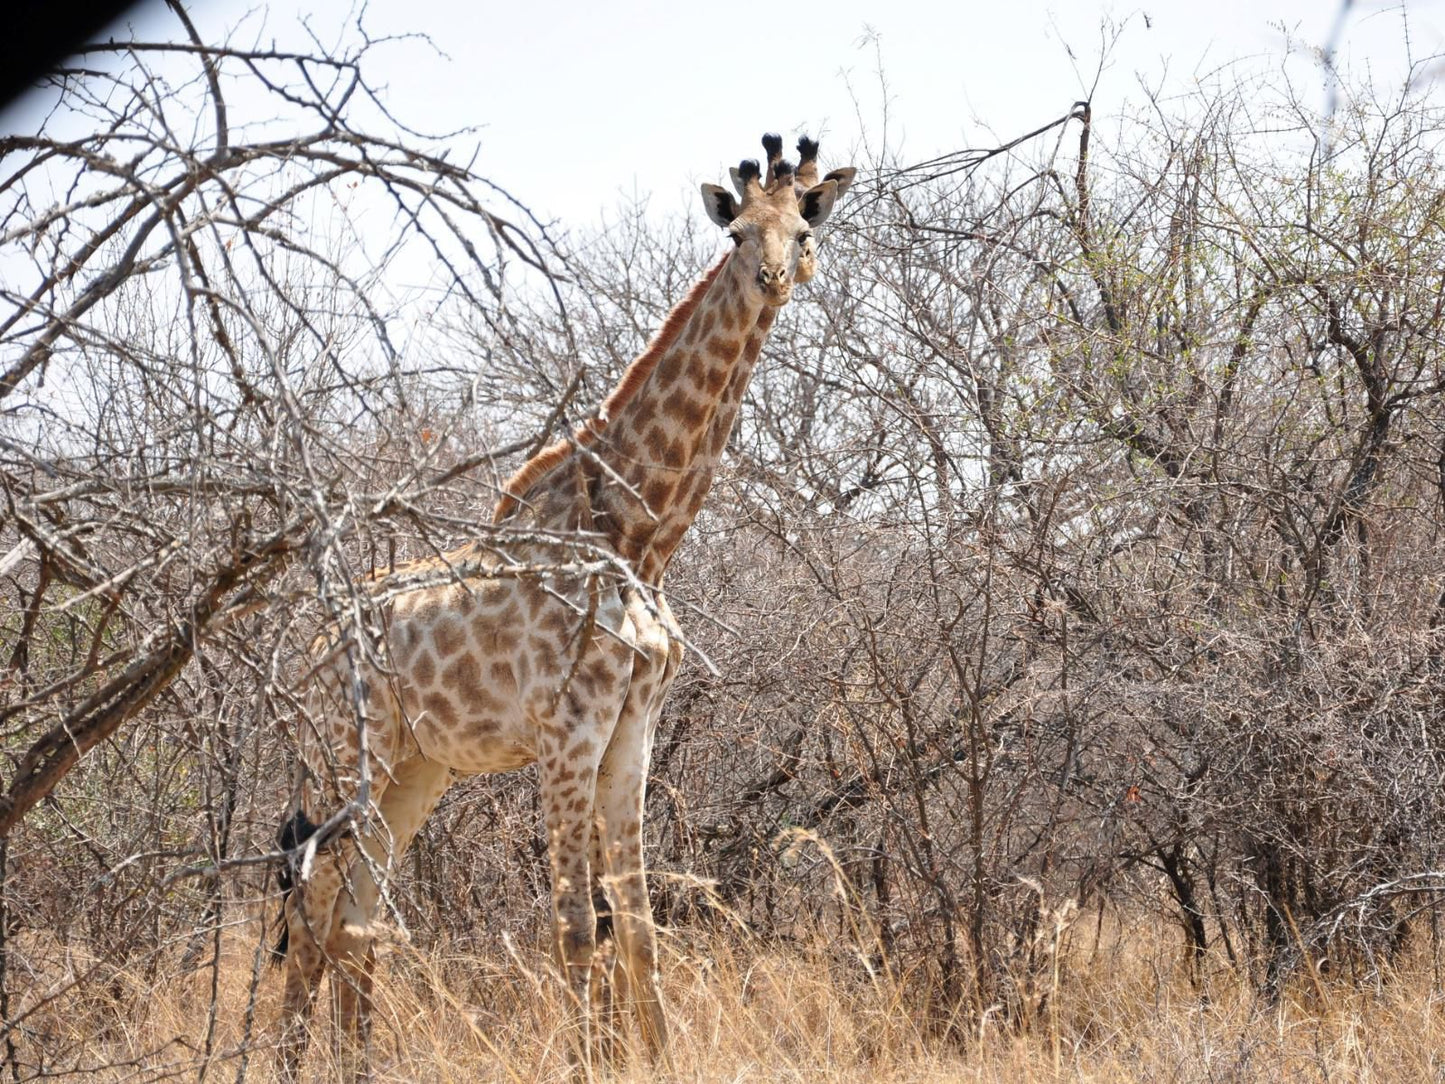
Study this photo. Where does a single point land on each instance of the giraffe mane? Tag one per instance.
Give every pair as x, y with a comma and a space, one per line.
634, 376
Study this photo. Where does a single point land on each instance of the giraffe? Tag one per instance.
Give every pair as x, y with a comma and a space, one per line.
553, 644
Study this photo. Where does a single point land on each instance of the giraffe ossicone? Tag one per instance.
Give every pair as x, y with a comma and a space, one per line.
502, 666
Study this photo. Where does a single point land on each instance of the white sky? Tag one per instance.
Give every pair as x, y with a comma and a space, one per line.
584, 104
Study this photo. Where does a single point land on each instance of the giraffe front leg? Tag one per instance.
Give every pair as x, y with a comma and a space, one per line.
619, 809
606, 1010
567, 787
621, 800
621, 797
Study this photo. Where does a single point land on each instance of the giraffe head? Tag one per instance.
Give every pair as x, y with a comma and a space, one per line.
772, 225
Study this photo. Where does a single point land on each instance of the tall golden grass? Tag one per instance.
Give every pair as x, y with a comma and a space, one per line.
1120, 1006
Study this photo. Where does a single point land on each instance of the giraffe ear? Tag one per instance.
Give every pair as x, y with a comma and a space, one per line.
721, 207
737, 179
817, 202
844, 177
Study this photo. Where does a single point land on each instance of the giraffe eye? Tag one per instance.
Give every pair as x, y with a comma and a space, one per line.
805, 237
737, 237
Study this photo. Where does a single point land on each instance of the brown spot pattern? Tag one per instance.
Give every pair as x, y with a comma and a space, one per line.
723, 349
449, 637
440, 708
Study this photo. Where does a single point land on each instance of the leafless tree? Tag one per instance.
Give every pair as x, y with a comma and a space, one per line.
219, 416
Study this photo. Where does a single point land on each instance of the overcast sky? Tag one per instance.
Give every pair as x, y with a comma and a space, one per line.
584, 104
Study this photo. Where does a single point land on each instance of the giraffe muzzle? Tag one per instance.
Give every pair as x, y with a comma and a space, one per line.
774, 283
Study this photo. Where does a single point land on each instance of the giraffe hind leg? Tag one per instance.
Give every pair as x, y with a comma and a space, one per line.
414, 788
351, 986
636, 936
308, 914
294, 832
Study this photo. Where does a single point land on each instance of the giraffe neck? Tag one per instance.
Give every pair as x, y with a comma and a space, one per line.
638, 472
690, 498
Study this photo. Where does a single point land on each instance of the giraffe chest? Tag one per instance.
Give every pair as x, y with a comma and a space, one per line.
658, 646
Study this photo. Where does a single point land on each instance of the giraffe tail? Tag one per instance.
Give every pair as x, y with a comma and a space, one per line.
294, 832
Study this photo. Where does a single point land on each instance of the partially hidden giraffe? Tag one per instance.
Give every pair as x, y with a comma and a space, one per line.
508, 663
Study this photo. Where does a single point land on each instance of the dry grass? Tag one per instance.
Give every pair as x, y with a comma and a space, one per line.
1124, 1011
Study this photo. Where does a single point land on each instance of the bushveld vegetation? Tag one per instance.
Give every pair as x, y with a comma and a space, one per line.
1074, 591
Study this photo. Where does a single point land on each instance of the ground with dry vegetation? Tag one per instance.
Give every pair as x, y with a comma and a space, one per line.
1121, 1005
